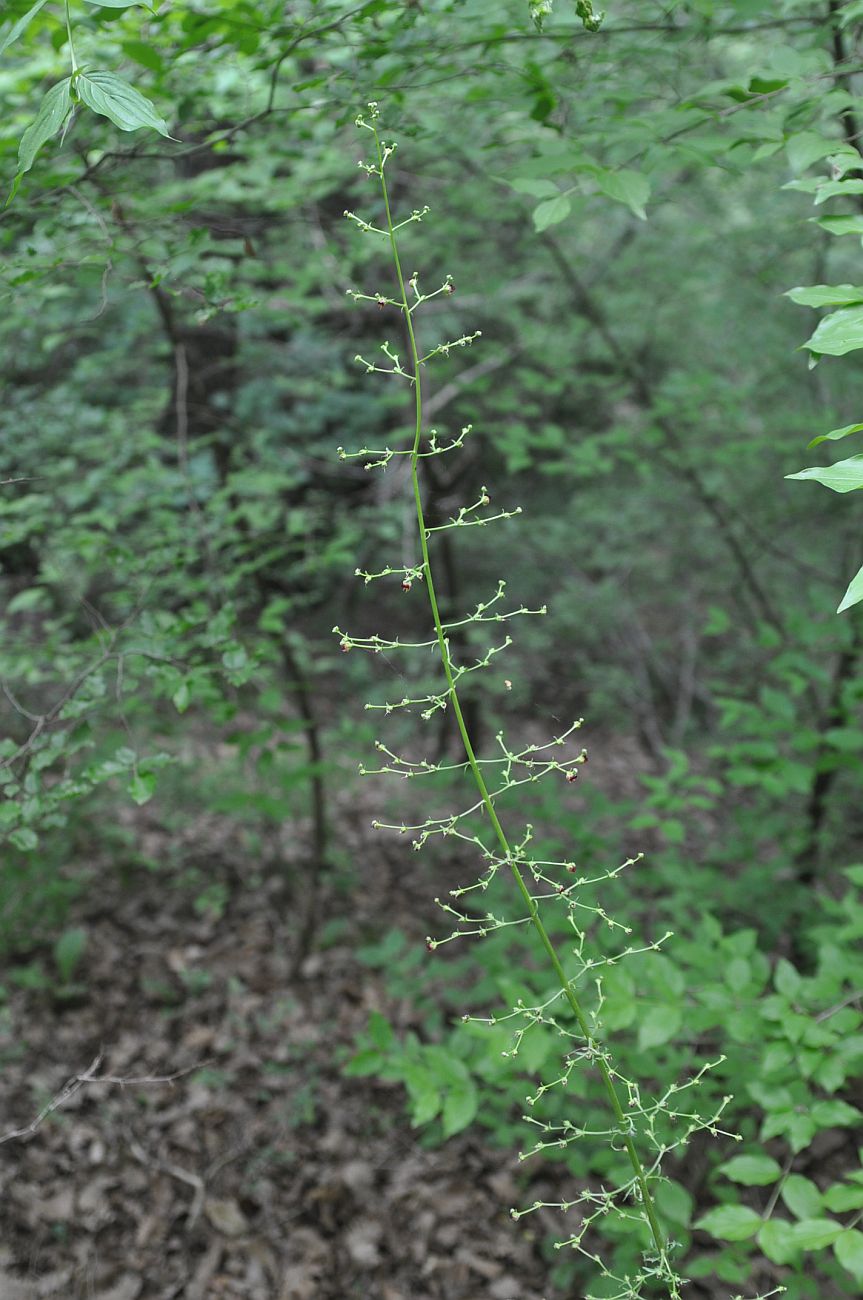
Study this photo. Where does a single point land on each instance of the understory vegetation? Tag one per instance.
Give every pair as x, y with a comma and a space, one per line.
586, 656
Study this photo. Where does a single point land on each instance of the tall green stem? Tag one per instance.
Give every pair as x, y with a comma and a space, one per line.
72, 57
529, 900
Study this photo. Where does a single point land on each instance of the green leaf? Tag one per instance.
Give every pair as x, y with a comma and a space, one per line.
730, 1222
800, 1130
627, 187
22, 24
802, 1197
53, 111
181, 697
145, 54
843, 1196
235, 659
825, 295
459, 1108
537, 189
9, 813
806, 148
114, 98
815, 1234
675, 1202
835, 434
786, 978
844, 225
838, 333
850, 12
118, 4
777, 1241
619, 1007
752, 1171
834, 189
658, 1024
29, 598
68, 951
24, 839
844, 476
848, 1249
425, 1103
854, 594
142, 787
738, 974
368, 1061
380, 1031
834, 1114
765, 85
551, 212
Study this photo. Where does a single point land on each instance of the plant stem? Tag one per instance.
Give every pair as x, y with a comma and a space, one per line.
530, 902
71, 42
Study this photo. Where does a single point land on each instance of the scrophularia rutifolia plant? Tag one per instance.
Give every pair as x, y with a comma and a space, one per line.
643, 1130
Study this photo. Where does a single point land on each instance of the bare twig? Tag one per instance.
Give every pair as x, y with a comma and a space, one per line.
90, 1076
175, 1171
450, 391
856, 996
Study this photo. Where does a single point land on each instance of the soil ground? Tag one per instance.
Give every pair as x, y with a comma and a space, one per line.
261, 1172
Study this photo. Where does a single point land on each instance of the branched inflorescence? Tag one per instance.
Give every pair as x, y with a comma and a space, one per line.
643, 1130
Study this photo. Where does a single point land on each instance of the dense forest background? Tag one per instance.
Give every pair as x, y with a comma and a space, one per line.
190, 886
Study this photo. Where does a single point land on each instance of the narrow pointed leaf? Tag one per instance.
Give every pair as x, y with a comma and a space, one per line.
844, 476
53, 111
854, 594
833, 189
835, 434
850, 224
22, 24
825, 295
110, 96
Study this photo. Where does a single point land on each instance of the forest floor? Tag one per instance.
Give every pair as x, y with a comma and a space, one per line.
261, 1172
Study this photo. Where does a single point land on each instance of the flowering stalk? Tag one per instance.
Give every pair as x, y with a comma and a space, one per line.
657, 1264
